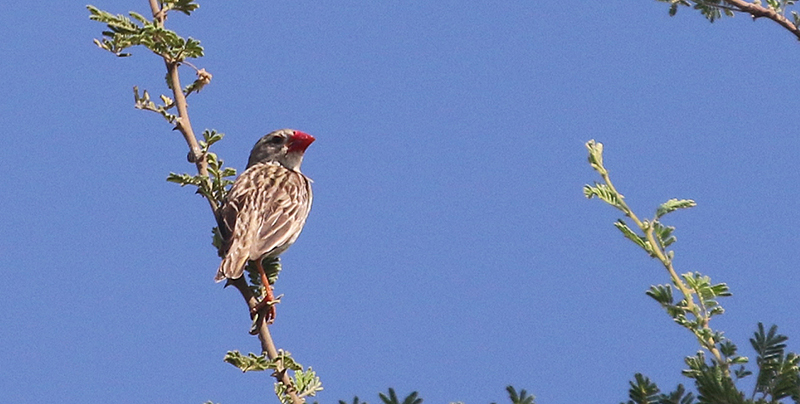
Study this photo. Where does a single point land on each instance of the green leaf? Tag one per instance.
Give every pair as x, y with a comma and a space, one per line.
307, 382
662, 294
673, 205
605, 193
707, 292
596, 156
778, 373
679, 396
124, 33
138, 17
631, 235
210, 136
642, 390
711, 9
192, 49
145, 103
184, 6
393, 399
768, 345
251, 362
216, 185
521, 398
184, 179
720, 289
355, 401
714, 386
741, 372
739, 360
728, 348
663, 234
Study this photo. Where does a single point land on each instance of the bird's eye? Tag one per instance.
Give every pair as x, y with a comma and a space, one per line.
275, 140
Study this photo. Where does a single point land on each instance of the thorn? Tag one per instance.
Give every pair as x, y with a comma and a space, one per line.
194, 158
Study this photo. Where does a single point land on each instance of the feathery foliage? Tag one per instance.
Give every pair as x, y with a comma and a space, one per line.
216, 185
213, 180
306, 382
521, 398
392, 398
713, 10
124, 33
714, 375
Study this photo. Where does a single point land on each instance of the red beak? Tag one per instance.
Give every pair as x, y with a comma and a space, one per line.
300, 141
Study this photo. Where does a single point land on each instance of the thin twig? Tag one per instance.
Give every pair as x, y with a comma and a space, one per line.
185, 127
267, 345
183, 124
659, 253
758, 11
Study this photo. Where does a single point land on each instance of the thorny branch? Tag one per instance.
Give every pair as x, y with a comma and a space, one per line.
183, 125
267, 345
758, 11
658, 251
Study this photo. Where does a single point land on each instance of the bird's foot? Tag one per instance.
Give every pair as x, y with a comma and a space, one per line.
266, 307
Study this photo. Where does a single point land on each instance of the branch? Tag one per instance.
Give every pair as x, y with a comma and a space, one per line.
758, 11
267, 345
608, 193
184, 125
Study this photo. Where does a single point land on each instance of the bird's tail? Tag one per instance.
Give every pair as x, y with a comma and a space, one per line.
232, 267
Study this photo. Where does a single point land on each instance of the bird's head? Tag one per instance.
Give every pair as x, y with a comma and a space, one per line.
285, 147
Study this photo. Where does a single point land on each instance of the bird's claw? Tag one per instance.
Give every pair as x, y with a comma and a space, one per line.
268, 304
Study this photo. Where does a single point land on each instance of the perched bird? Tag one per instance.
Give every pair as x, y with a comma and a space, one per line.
266, 207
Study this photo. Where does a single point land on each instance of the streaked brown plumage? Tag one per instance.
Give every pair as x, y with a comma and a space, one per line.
267, 205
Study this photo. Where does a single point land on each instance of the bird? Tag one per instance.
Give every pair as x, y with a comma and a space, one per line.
266, 208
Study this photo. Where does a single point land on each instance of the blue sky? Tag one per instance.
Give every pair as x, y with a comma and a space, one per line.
449, 250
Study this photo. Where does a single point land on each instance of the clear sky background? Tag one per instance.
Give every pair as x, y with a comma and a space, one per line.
450, 249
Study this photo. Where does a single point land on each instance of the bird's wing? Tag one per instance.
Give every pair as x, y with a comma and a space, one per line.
285, 208
237, 232
264, 213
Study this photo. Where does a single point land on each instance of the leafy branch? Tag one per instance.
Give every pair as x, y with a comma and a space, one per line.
698, 303
212, 180
778, 377
413, 398
217, 185
306, 382
124, 33
715, 380
392, 398
775, 10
